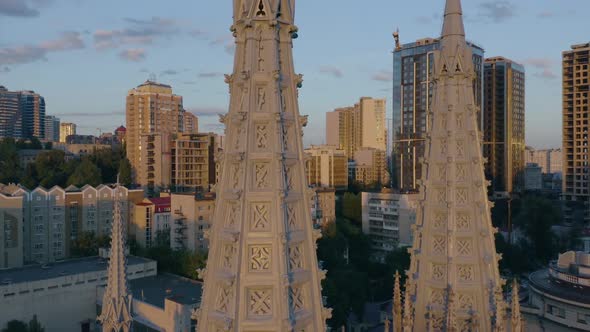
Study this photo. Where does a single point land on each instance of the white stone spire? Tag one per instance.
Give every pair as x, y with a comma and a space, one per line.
453, 274
116, 311
262, 272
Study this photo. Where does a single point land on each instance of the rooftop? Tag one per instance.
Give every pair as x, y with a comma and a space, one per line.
156, 289
59, 269
543, 282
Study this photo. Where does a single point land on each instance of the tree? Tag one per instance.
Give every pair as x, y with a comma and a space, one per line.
49, 146
536, 217
125, 172
352, 207
35, 326
9, 162
86, 173
49, 167
15, 326
87, 244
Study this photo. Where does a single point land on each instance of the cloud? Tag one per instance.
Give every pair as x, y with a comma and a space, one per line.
214, 127
139, 32
197, 33
331, 70
383, 76
227, 41
69, 40
497, 11
133, 55
209, 74
206, 111
5, 70
17, 8
189, 82
543, 64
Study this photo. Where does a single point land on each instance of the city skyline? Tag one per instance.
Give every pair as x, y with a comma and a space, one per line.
157, 39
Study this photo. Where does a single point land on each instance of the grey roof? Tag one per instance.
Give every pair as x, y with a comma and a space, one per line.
156, 289
542, 281
59, 269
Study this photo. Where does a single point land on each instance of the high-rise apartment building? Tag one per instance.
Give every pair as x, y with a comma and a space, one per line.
151, 108
360, 126
190, 123
22, 114
66, 129
327, 167
369, 167
576, 111
550, 160
503, 124
33, 111
11, 120
52, 128
413, 81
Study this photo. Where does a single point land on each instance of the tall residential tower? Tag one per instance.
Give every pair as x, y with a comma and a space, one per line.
413, 82
576, 111
262, 273
503, 121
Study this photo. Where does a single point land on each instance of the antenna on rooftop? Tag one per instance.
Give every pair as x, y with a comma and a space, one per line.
153, 77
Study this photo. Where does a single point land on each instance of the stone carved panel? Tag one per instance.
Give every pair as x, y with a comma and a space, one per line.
444, 146
289, 177
440, 220
261, 99
461, 172
439, 245
291, 217
442, 172
236, 174
238, 137
224, 298
259, 302
464, 247
437, 296
261, 136
286, 132
438, 271
261, 176
459, 120
462, 195
437, 322
443, 121
463, 221
297, 298
441, 195
233, 213
460, 148
260, 217
296, 257
260, 257
465, 273
465, 301
228, 256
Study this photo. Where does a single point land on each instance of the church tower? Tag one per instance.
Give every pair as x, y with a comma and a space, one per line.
115, 315
453, 282
262, 273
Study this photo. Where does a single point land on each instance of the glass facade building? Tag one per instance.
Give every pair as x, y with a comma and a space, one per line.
413, 74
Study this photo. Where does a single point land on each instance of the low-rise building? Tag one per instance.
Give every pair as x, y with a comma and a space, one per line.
369, 167
533, 177
80, 150
326, 166
11, 230
388, 219
150, 218
559, 297
192, 216
323, 206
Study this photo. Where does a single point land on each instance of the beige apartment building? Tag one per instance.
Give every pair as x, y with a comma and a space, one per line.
323, 206
149, 218
52, 219
190, 123
66, 129
362, 125
151, 108
576, 110
326, 166
192, 216
185, 162
550, 160
369, 167
11, 224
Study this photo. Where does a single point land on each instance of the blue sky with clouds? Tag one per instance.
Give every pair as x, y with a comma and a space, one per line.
84, 55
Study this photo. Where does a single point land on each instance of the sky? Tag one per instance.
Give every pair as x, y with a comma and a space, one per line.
84, 55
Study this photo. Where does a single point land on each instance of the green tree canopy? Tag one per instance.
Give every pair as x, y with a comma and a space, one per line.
85, 173
125, 172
